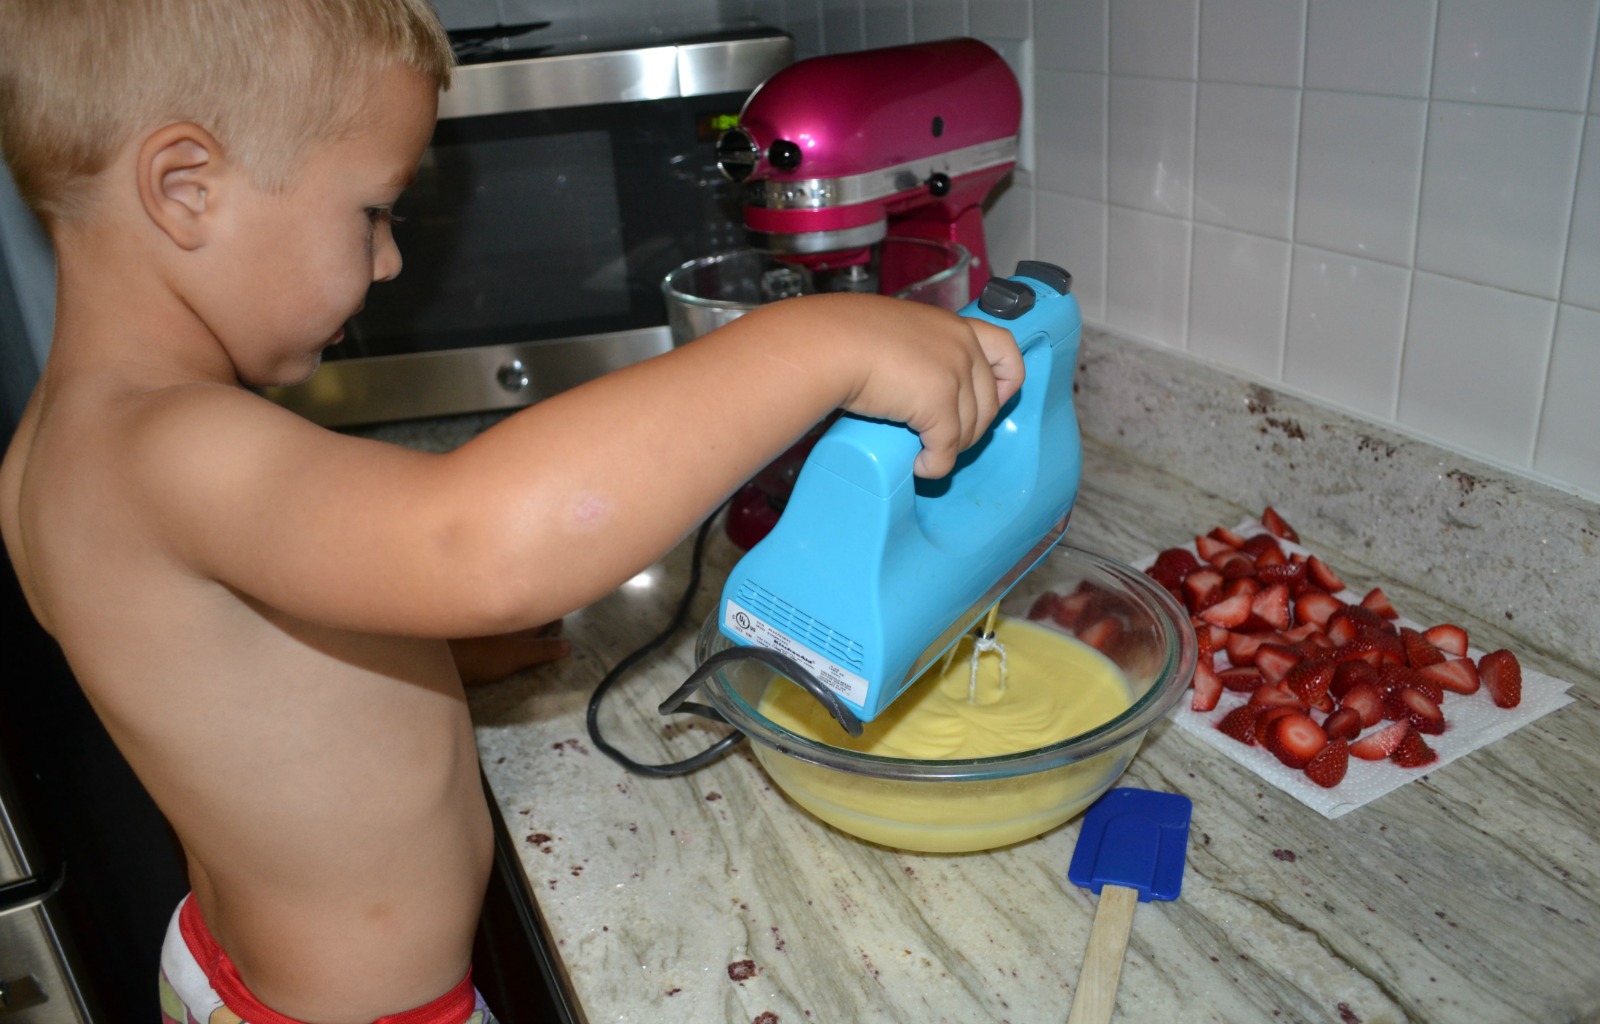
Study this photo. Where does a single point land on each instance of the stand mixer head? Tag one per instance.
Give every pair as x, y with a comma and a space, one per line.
842, 151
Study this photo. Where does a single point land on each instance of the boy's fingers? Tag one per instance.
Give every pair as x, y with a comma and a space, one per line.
1004, 358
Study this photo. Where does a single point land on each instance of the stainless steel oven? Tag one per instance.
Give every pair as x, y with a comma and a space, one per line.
558, 191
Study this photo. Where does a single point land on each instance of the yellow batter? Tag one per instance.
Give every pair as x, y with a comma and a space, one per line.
1055, 688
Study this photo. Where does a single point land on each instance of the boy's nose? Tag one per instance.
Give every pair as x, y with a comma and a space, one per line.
386, 262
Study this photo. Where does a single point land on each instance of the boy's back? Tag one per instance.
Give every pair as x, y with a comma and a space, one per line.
259, 609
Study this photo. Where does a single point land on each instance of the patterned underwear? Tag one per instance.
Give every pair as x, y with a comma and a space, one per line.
199, 985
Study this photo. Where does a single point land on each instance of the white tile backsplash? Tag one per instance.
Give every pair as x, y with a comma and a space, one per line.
1516, 54
1158, 38
1569, 430
1244, 157
1497, 188
1392, 206
1378, 46
1346, 329
1254, 42
1473, 373
1238, 288
1360, 174
1150, 151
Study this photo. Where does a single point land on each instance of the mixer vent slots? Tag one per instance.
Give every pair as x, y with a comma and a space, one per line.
800, 626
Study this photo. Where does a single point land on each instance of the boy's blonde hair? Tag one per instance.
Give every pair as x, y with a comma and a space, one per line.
80, 78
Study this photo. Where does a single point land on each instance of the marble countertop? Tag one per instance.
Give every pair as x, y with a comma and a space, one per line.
1470, 894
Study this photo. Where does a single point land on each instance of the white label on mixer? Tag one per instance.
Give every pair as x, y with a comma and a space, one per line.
834, 676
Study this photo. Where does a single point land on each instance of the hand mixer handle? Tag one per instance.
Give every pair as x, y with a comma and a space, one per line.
878, 456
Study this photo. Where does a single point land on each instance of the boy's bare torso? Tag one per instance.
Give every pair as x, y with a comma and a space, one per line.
324, 783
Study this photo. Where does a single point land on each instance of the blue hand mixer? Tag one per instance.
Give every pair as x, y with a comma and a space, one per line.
872, 574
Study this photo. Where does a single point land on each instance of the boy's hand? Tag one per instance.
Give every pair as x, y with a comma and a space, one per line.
942, 375
487, 659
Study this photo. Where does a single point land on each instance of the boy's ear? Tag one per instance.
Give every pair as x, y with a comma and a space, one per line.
180, 167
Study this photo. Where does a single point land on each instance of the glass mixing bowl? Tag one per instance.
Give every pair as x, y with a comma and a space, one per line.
954, 806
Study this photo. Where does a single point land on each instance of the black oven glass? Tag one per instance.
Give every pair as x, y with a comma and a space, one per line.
550, 224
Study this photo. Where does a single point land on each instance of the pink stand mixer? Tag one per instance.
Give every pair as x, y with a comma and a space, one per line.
841, 153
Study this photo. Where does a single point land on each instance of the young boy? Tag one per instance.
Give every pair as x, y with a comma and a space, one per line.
261, 610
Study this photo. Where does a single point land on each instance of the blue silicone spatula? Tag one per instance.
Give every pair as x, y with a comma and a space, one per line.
1131, 850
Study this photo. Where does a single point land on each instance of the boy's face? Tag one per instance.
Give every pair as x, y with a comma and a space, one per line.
302, 259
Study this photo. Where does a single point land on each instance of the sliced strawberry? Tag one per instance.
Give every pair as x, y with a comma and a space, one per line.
1044, 606
1242, 647
1272, 558
1344, 724
1276, 695
1102, 634
1234, 566
1459, 675
1074, 608
1277, 527
1328, 767
1341, 628
1295, 739
1275, 660
1413, 751
1241, 585
1260, 545
1210, 547
1202, 589
1310, 679
1367, 702
1419, 652
1178, 560
1229, 612
1207, 688
1501, 674
1240, 723
1271, 605
1417, 708
1316, 606
1362, 648
1376, 600
1269, 715
1240, 679
1226, 536
1291, 574
1379, 744
1448, 638
1369, 621
1347, 674
1317, 572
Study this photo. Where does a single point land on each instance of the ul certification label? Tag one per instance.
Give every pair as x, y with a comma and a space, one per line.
738, 619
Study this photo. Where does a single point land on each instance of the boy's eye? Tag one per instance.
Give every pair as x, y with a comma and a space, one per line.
383, 215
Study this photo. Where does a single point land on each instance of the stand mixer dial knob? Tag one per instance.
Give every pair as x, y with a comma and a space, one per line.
784, 155
737, 154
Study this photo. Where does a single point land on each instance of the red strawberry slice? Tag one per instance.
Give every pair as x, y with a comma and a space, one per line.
1073, 608
1240, 679
1501, 674
1263, 544
1327, 769
1317, 606
1276, 695
1310, 679
1044, 606
1413, 751
1317, 572
1202, 589
1102, 634
1377, 745
1271, 606
1377, 601
1240, 723
1229, 613
1367, 702
1210, 547
1272, 558
1458, 675
1275, 660
1448, 638
1419, 652
1177, 560
1269, 715
1416, 707
1234, 566
1291, 574
1226, 536
1207, 688
1347, 674
1277, 527
1295, 739
1344, 724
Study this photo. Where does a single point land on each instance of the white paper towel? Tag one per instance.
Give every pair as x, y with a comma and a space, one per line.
1471, 721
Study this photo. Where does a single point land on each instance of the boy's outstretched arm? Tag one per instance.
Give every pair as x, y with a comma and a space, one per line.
558, 504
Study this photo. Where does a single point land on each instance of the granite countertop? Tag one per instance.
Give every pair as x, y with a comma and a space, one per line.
1469, 894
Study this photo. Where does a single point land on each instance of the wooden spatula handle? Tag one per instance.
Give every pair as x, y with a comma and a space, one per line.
1096, 997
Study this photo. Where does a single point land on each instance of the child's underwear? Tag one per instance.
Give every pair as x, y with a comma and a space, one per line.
200, 985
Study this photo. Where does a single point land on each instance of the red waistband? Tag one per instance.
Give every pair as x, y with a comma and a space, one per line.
451, 1008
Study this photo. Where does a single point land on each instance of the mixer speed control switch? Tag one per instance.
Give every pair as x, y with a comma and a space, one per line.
1005, 299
